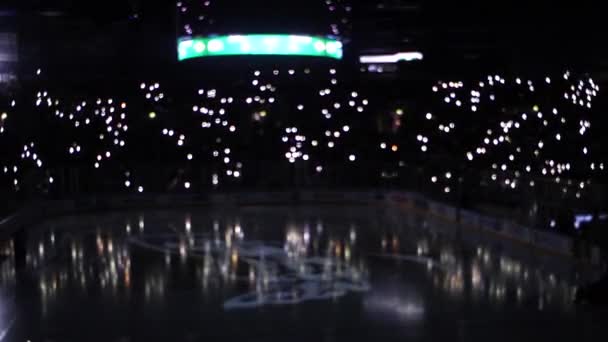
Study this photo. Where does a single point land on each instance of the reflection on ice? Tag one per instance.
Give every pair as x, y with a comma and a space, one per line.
268, 258
411, 309
276, 275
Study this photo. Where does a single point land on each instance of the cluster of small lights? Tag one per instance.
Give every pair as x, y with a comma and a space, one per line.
104, 119
212, 111
4, 116
393, 148
341, 11
581, 93
505, 150
111, 116
196, 16
193, 14
335, 106
510, 147
295, 144
216, 118
28, 154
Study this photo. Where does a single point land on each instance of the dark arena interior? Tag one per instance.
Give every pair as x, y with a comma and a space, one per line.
320, 170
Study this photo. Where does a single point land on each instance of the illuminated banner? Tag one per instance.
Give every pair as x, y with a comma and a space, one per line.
393, 58
259, 44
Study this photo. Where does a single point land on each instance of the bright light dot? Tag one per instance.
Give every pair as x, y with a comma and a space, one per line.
447, 189
346, 128
215, 45
232, 129
395, 148
448, 175
352, 157
140, 189
429, 116
319, 168
187, 185
189, 156
434, 179
127, 183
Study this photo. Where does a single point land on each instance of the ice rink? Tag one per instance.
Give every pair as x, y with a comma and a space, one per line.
286, 273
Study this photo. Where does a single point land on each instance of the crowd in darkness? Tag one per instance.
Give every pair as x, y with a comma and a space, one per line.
524, 144
497, 141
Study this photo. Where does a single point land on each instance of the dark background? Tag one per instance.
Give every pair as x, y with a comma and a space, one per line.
518, 34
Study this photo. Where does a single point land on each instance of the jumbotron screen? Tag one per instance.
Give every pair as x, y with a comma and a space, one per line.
259, 44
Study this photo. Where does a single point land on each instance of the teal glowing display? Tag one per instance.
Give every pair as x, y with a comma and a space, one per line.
259, 44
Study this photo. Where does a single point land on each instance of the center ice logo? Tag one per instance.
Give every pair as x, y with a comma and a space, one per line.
277, 274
